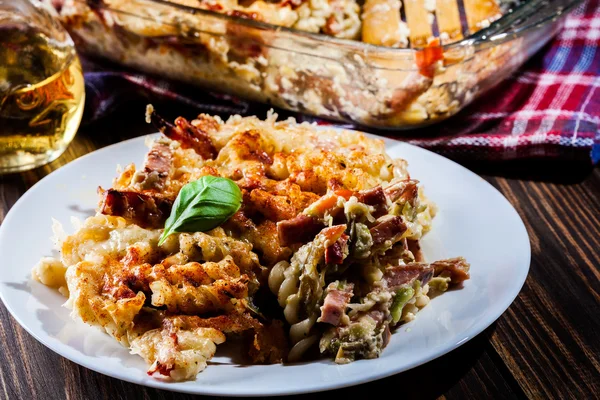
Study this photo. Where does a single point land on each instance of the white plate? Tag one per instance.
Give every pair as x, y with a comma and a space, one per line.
474, 221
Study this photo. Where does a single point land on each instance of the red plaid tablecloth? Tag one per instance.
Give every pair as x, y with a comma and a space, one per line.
549, 108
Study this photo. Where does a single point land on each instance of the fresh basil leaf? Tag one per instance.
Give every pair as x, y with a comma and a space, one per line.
203, 205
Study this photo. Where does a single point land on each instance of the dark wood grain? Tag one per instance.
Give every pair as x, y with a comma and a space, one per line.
549, 336
546, 345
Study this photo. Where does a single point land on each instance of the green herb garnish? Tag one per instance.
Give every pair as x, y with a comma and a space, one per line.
203, 205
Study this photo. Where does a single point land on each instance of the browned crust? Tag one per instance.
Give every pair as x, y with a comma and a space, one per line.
145, 210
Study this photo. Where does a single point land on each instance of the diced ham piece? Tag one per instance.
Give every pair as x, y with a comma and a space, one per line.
157, 167
389, 229
142, 209
190, 136
376, 315
334, 254
335, 303
159, 159
374, 197
457, 267
401, 275
426, 276
300, 229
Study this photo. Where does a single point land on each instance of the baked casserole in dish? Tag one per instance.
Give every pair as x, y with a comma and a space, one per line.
378, 63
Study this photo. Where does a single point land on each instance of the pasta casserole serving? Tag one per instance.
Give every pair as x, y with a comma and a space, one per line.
294, 239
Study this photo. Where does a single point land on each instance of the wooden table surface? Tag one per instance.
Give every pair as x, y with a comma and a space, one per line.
546, 345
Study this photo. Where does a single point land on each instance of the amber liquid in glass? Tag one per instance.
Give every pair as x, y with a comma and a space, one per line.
41, 98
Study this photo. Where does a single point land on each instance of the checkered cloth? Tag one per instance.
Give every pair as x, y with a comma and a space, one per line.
550, 108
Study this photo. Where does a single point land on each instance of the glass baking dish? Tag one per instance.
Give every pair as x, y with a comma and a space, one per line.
340, 79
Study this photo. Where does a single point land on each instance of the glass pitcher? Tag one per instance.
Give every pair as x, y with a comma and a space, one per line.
41, 86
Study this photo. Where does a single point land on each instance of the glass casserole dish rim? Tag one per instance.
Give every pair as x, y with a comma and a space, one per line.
498, 32
339, 79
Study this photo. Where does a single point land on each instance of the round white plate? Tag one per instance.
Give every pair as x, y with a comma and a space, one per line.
474, 221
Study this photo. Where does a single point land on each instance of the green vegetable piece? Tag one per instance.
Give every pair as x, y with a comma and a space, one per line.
403, 295
203, 205
409, 211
